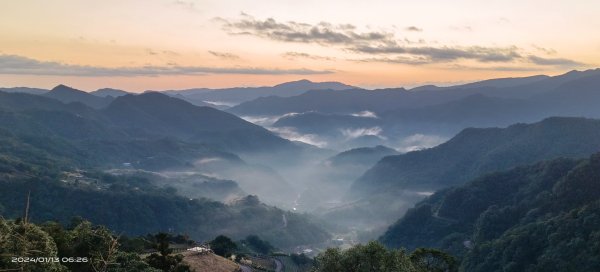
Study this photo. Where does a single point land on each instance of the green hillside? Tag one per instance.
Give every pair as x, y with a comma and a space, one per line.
533, 218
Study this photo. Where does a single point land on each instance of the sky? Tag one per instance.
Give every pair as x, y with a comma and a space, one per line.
179, 44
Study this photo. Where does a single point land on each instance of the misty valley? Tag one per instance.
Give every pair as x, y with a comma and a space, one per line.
495, 175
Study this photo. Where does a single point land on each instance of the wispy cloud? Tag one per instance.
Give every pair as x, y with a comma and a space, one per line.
378, 46
353, 133
554, 61
418, 142
396, 60
19, 65
301, 55
547, 51
291, 134
224, 55
322, 33
509, 68
186, 4
445, 54
413, 28
366, 114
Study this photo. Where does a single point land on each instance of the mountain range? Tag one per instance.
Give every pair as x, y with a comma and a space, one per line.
381, 100
232, 96
394, 114
490, 164
395, 183
476, 151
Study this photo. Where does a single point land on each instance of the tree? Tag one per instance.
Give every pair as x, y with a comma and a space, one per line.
259, 245
165, 261
223, 246
433, 260
131, 262
95, 243
21, 239
372, 257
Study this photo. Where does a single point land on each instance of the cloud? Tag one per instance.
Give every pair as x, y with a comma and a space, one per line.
224, 55
291, 134
19, 65
381, 46
366, 114
189, 5
553, 61
220, 103
299, 55
547, 51
360, 132
419, 141
396, 60
322, 33
517, 68
267, 120
413, 28
372, 43
446, 54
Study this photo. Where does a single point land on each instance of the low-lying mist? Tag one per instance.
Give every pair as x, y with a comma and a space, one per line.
313, 179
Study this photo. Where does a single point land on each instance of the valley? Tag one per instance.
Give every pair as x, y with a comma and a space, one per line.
312, 166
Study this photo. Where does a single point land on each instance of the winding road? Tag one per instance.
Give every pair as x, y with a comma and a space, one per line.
245, 268
278, 265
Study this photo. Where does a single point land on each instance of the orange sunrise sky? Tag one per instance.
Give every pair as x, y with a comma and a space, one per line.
178, 44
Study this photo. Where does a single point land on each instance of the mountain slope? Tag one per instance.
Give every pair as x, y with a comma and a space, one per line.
234, 96
104, 92
134, 207
158, 114
67, 94
378, 101
325, 101
363, 156
476, 151
26, 90
532, 218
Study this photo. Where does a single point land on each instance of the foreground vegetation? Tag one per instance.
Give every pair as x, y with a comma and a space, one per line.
375, 257
84, 247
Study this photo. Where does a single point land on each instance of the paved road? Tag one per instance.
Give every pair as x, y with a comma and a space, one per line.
245, 268
278, 265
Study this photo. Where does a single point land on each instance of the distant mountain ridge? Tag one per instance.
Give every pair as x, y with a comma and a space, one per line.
378, 101
26, 90
362, 155
238, 95
477, 151
159, 114
104, 92
67, 94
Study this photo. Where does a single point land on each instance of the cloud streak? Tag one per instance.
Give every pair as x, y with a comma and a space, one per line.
301, 55
224, 55
446, 54
379, 46
413, 28
322, 33
19, 65
553, 61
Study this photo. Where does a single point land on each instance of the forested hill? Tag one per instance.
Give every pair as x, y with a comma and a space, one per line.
533, 218
476, 151
60, 151
132, 206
